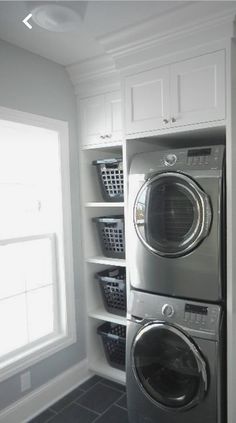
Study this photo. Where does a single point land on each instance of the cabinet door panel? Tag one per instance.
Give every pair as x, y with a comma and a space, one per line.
93, 119
113, 116
147, 100
198, 89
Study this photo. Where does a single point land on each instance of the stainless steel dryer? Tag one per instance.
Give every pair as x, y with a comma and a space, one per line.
176, 222
174, 361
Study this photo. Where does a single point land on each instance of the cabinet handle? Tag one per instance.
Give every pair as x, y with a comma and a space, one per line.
108, 136
165, 121
102, 137
173, 120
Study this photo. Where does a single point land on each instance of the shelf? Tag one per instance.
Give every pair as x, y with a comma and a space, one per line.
108, 261
103, 204
103, 369
102, 314
103, 146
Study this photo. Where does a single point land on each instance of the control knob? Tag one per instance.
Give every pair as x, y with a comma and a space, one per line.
167, 310
170, 160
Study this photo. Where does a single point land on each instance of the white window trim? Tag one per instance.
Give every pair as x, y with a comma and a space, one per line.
48, 348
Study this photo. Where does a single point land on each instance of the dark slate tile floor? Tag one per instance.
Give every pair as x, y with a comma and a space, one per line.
97, 400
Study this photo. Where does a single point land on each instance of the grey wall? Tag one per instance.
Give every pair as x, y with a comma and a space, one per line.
32, 84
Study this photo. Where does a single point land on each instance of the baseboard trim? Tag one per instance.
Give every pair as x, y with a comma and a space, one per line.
40, 399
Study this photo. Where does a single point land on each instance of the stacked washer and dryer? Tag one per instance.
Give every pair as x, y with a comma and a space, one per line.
175, 354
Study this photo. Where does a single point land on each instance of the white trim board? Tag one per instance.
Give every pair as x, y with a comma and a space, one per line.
40, 399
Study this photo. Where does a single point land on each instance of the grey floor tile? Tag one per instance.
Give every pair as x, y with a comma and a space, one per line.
122, 402
68, 399
43, 417
99, 398
114, 414
90, 382
114, 385
75, 414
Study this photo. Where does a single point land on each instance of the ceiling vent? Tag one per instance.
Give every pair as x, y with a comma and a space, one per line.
56, 18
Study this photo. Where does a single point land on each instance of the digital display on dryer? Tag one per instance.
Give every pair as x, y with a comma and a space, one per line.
192, 308
199, 152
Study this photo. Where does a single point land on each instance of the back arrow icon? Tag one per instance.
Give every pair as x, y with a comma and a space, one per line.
25, 21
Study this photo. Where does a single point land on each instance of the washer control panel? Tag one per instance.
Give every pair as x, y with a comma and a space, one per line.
191, 315
200, 315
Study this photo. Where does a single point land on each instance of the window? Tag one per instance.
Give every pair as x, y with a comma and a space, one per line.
36, 278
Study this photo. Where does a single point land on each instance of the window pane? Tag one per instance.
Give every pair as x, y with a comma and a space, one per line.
40, 312
13, 324
24, 266
38, 263
12, 270
30, 180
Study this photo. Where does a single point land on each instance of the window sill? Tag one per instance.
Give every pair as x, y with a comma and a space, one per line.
34, 355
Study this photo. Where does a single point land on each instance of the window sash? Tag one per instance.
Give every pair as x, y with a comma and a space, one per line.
55, 286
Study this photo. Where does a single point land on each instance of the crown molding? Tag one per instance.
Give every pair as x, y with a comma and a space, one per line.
91, 69
94, 76
183, 29
199, 16
184, 44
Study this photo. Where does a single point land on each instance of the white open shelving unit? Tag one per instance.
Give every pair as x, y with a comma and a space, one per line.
93, 205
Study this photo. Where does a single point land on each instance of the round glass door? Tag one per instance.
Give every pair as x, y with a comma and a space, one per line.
171, 214
168, 366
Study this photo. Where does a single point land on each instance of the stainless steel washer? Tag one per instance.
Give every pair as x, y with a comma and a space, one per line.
174, 361
176, 220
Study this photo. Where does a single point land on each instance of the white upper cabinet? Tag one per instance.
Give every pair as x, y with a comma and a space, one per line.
113, 116
185, 93
147, 100
198, 89
93, 120
101, 119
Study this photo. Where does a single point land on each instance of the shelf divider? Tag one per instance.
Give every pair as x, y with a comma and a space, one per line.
106, 260
102, 314
103, 204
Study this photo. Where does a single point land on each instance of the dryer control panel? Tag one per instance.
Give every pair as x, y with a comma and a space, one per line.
198, 158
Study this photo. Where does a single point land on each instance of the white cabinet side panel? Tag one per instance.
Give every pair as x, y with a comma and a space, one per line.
231, 233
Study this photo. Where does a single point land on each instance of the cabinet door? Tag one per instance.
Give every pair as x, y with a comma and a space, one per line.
93, 119
147, 100
198, 89
113, 116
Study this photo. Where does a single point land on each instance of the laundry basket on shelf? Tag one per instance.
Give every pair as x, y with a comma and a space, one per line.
113, 288
114, 340
112, 235
111, 178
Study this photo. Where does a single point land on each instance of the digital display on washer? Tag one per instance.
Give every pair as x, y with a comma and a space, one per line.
199, 152
192, 308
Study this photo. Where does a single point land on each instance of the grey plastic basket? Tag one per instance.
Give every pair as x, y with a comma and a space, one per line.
112, 235
114, 342
111, 178
113, 288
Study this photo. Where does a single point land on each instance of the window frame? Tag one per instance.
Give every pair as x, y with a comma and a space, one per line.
46, 348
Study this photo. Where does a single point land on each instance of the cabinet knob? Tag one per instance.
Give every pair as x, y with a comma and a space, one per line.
108, 136
165, 121
173, 120
102, 137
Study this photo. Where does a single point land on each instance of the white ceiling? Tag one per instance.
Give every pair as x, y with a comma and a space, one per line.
99, 18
